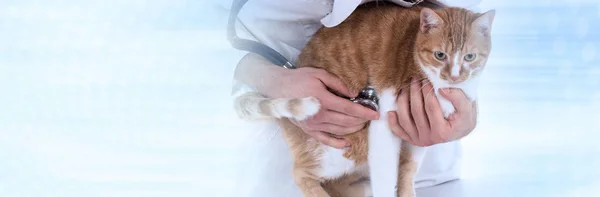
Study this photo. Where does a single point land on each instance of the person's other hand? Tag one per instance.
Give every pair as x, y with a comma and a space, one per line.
419, 119
337, 116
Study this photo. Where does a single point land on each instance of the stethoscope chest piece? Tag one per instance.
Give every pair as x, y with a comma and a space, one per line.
368, 98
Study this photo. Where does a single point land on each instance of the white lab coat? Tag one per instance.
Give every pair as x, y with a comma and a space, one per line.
286, 26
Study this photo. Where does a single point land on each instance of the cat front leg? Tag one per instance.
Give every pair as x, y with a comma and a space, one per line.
384, 149
308, 183
411, 158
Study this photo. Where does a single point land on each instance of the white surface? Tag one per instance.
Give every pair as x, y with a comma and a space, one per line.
125, 98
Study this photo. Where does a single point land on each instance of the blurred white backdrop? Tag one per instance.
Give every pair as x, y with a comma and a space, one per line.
130, 98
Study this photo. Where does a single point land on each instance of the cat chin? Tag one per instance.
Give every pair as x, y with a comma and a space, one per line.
434, 79
469, 86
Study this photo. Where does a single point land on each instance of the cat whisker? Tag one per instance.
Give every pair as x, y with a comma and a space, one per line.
444, 90
430, 91
409, 83
423, 85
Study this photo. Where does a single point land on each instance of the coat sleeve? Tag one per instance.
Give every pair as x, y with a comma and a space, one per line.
285, 26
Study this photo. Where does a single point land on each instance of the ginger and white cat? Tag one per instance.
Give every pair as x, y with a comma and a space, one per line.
383, 46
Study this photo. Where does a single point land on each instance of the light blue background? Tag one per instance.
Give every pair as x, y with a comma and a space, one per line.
127, 98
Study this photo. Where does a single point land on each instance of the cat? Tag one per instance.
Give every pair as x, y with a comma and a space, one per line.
383, 46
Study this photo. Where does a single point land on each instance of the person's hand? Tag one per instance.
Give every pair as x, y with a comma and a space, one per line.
337, 116
419, 119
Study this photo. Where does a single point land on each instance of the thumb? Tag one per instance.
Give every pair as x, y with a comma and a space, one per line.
457, 97
335, 84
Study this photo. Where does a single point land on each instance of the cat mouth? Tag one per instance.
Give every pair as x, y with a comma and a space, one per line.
451, 82
454, 82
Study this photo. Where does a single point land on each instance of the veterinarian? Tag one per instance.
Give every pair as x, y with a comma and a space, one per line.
287, 25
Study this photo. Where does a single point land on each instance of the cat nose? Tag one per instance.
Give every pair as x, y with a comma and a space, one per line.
454, 78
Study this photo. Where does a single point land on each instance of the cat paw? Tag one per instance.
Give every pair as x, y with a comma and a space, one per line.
309, 107
407, 194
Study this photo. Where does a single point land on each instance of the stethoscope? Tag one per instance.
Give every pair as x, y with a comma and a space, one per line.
367, 97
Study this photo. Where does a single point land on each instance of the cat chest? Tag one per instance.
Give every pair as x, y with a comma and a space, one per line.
333, 164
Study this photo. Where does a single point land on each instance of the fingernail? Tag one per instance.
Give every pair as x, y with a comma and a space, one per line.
451, 117
376, 117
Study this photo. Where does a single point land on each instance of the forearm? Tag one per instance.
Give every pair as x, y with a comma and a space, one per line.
257, 72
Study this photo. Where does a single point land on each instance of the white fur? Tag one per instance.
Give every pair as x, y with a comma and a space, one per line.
384, 149
333, 163
456, 65
252, 109
240, 88
310, 107
279, 107
469, 87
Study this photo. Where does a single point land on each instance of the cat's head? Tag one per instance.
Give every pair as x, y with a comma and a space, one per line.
453, 44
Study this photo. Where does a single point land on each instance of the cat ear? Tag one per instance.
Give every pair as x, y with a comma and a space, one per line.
429, 20
483, 24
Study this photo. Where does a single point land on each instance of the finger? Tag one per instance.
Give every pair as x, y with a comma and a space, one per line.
348, 107
396, 128
418, 109
458, 98
328, 140
336, 118
335, 84
404, 117
433, 109
464, 123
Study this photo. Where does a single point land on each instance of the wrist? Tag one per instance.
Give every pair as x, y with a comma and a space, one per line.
259, 73
270, 78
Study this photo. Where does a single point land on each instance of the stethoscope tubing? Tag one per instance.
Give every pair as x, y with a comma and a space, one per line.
251, 45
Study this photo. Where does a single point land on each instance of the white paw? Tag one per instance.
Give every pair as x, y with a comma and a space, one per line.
447, 107
309, 107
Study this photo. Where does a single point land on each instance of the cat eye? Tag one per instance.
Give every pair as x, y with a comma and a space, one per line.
439, 55
470, 57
